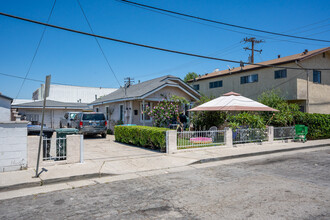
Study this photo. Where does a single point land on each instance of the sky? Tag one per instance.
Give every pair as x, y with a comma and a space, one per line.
77, 60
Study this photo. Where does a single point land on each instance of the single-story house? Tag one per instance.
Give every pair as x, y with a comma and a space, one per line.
54, 111
127, 103
5, 102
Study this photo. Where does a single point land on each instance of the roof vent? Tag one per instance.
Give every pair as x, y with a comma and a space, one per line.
305, 52
279, 56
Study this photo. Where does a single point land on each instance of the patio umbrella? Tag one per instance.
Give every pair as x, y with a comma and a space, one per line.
232, 101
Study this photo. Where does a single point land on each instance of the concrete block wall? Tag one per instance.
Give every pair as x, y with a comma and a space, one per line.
13, 146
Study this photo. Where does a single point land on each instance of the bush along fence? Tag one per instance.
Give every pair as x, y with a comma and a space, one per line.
176, 141
144, 136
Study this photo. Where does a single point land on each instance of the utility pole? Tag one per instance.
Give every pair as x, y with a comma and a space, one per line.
128, 81
253, 41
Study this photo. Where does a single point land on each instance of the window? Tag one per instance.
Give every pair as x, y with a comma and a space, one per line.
97, 109
196, 87
215, 84
143, 108
121, 113
316, 76
32, 117
96, 117
249, 79
278, 74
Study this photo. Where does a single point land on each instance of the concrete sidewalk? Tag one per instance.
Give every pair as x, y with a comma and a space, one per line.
136, 162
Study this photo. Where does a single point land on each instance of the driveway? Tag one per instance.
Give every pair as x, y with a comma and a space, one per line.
106, 149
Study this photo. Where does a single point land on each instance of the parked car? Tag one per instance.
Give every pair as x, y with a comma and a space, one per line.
91, 123
66, 121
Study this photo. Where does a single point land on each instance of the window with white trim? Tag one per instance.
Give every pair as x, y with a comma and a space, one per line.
143, 108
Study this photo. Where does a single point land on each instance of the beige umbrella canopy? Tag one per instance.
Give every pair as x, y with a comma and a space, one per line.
232, 101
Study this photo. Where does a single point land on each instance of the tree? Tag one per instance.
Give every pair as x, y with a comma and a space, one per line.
190, 76
287, 112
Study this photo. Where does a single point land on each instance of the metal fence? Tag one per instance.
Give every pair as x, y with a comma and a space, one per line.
196, 139
283, 133
54, 148
249, 135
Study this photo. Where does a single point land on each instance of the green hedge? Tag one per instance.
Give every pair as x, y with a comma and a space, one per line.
318, 125
143, 136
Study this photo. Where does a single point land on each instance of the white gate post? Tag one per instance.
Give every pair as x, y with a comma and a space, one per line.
171, 141
81, 148
228, 137
270, 134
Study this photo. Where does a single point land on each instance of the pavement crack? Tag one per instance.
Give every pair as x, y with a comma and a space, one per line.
101, 168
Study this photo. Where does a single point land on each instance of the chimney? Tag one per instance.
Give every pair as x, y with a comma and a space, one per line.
278, 56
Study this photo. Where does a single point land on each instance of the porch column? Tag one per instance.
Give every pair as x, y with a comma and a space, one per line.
131, 112
143, 116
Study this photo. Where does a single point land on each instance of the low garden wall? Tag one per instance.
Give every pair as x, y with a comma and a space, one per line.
73, 153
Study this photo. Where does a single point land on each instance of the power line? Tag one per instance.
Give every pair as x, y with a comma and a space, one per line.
31, 79
98, 43
226, 29
36, 51
144, 45
222, 23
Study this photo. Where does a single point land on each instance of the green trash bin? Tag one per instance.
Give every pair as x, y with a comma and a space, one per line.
61, 141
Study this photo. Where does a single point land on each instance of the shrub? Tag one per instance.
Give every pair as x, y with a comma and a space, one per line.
286, 114
246, 119
204, 119
318, 124
143, 136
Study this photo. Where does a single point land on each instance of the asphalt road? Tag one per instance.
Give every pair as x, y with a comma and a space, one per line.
286, 187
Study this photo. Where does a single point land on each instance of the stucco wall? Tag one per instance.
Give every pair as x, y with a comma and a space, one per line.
4, 109
168, 92
13, 146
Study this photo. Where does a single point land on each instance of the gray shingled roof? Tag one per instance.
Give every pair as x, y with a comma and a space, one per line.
138, 90
52, 104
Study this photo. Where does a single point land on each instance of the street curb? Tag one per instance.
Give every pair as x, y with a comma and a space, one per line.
99, 175
214, 159
53, 181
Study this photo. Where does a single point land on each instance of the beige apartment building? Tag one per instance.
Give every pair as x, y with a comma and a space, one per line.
310, 89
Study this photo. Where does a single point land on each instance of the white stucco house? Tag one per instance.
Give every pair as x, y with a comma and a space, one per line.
64, 93
54, 111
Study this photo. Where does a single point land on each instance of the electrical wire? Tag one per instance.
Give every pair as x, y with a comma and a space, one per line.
219, 22
97, 41
36, 51
226, 29
144, 45
31, 79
